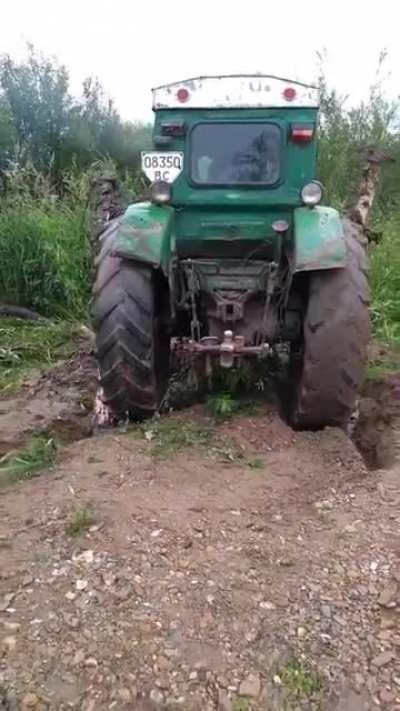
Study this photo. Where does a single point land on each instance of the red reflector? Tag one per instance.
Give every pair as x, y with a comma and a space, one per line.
289, 93
182, 95
302, 133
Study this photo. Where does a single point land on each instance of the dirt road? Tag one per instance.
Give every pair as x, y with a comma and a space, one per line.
191, 566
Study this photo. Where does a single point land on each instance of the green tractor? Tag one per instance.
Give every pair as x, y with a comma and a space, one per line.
233, 253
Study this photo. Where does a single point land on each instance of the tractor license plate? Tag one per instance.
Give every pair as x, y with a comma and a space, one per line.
165, 165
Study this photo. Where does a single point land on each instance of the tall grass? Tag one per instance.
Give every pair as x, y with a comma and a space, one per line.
385, 283
44, 257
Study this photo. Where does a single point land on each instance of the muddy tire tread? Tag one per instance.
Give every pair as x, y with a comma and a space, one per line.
123, 319
336, 334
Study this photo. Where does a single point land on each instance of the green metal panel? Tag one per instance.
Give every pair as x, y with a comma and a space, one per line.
319, 240
144, 234
229, 232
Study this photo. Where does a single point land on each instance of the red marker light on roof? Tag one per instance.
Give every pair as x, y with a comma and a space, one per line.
182, 95
302, 133
289, 93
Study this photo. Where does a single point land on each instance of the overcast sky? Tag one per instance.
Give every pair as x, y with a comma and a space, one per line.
132, 46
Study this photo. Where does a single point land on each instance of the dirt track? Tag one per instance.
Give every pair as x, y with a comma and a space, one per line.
259, 570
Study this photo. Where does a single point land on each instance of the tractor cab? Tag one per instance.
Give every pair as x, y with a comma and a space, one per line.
233, 155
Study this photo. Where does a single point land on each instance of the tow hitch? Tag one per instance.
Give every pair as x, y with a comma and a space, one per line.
231, 347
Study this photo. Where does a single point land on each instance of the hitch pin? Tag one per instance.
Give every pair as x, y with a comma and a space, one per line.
227, 350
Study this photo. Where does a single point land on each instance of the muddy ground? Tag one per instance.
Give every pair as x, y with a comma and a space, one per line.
195, 566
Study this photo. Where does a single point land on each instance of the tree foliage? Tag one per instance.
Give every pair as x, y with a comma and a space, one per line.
346, 131
43, 125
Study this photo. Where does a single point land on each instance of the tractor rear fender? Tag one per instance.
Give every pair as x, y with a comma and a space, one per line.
319, 239
144, 234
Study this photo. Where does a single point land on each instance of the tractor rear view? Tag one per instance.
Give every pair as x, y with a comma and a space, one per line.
233, 253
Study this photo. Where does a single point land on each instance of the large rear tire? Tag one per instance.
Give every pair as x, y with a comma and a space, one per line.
132, 351
328, 367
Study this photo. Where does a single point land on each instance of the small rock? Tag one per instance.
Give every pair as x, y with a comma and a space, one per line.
163, 664
193, 675
71, 621
359, 682
30, 700
79, 657
86, 557
382, 659
251, 686
301, 632
277, 680
385, 635
224, 702
12, 626
326, 611
386, 696
70, 595
387, 623
124, 593
324, 505
81, 584
125, 695
5, 542
266, 605
6, 601
90, 705
9, 644
109, 579
388, 596
251, 635
162, 682
351, 527
27, 580
201, 664
91, 662
156, 696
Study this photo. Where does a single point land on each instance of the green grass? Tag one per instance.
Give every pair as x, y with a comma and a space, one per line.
299, 680
241, 704
80, 521
28, 461
25, 346
255, 463
385, 283
169, 435
386, 365
45, 256
222, 404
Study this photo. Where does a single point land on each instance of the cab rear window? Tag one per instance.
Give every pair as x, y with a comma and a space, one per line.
235, 153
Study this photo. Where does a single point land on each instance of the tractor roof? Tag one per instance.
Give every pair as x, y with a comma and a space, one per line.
239, 91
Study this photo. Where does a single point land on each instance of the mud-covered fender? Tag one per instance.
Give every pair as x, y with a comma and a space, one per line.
318, 239
144, 234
